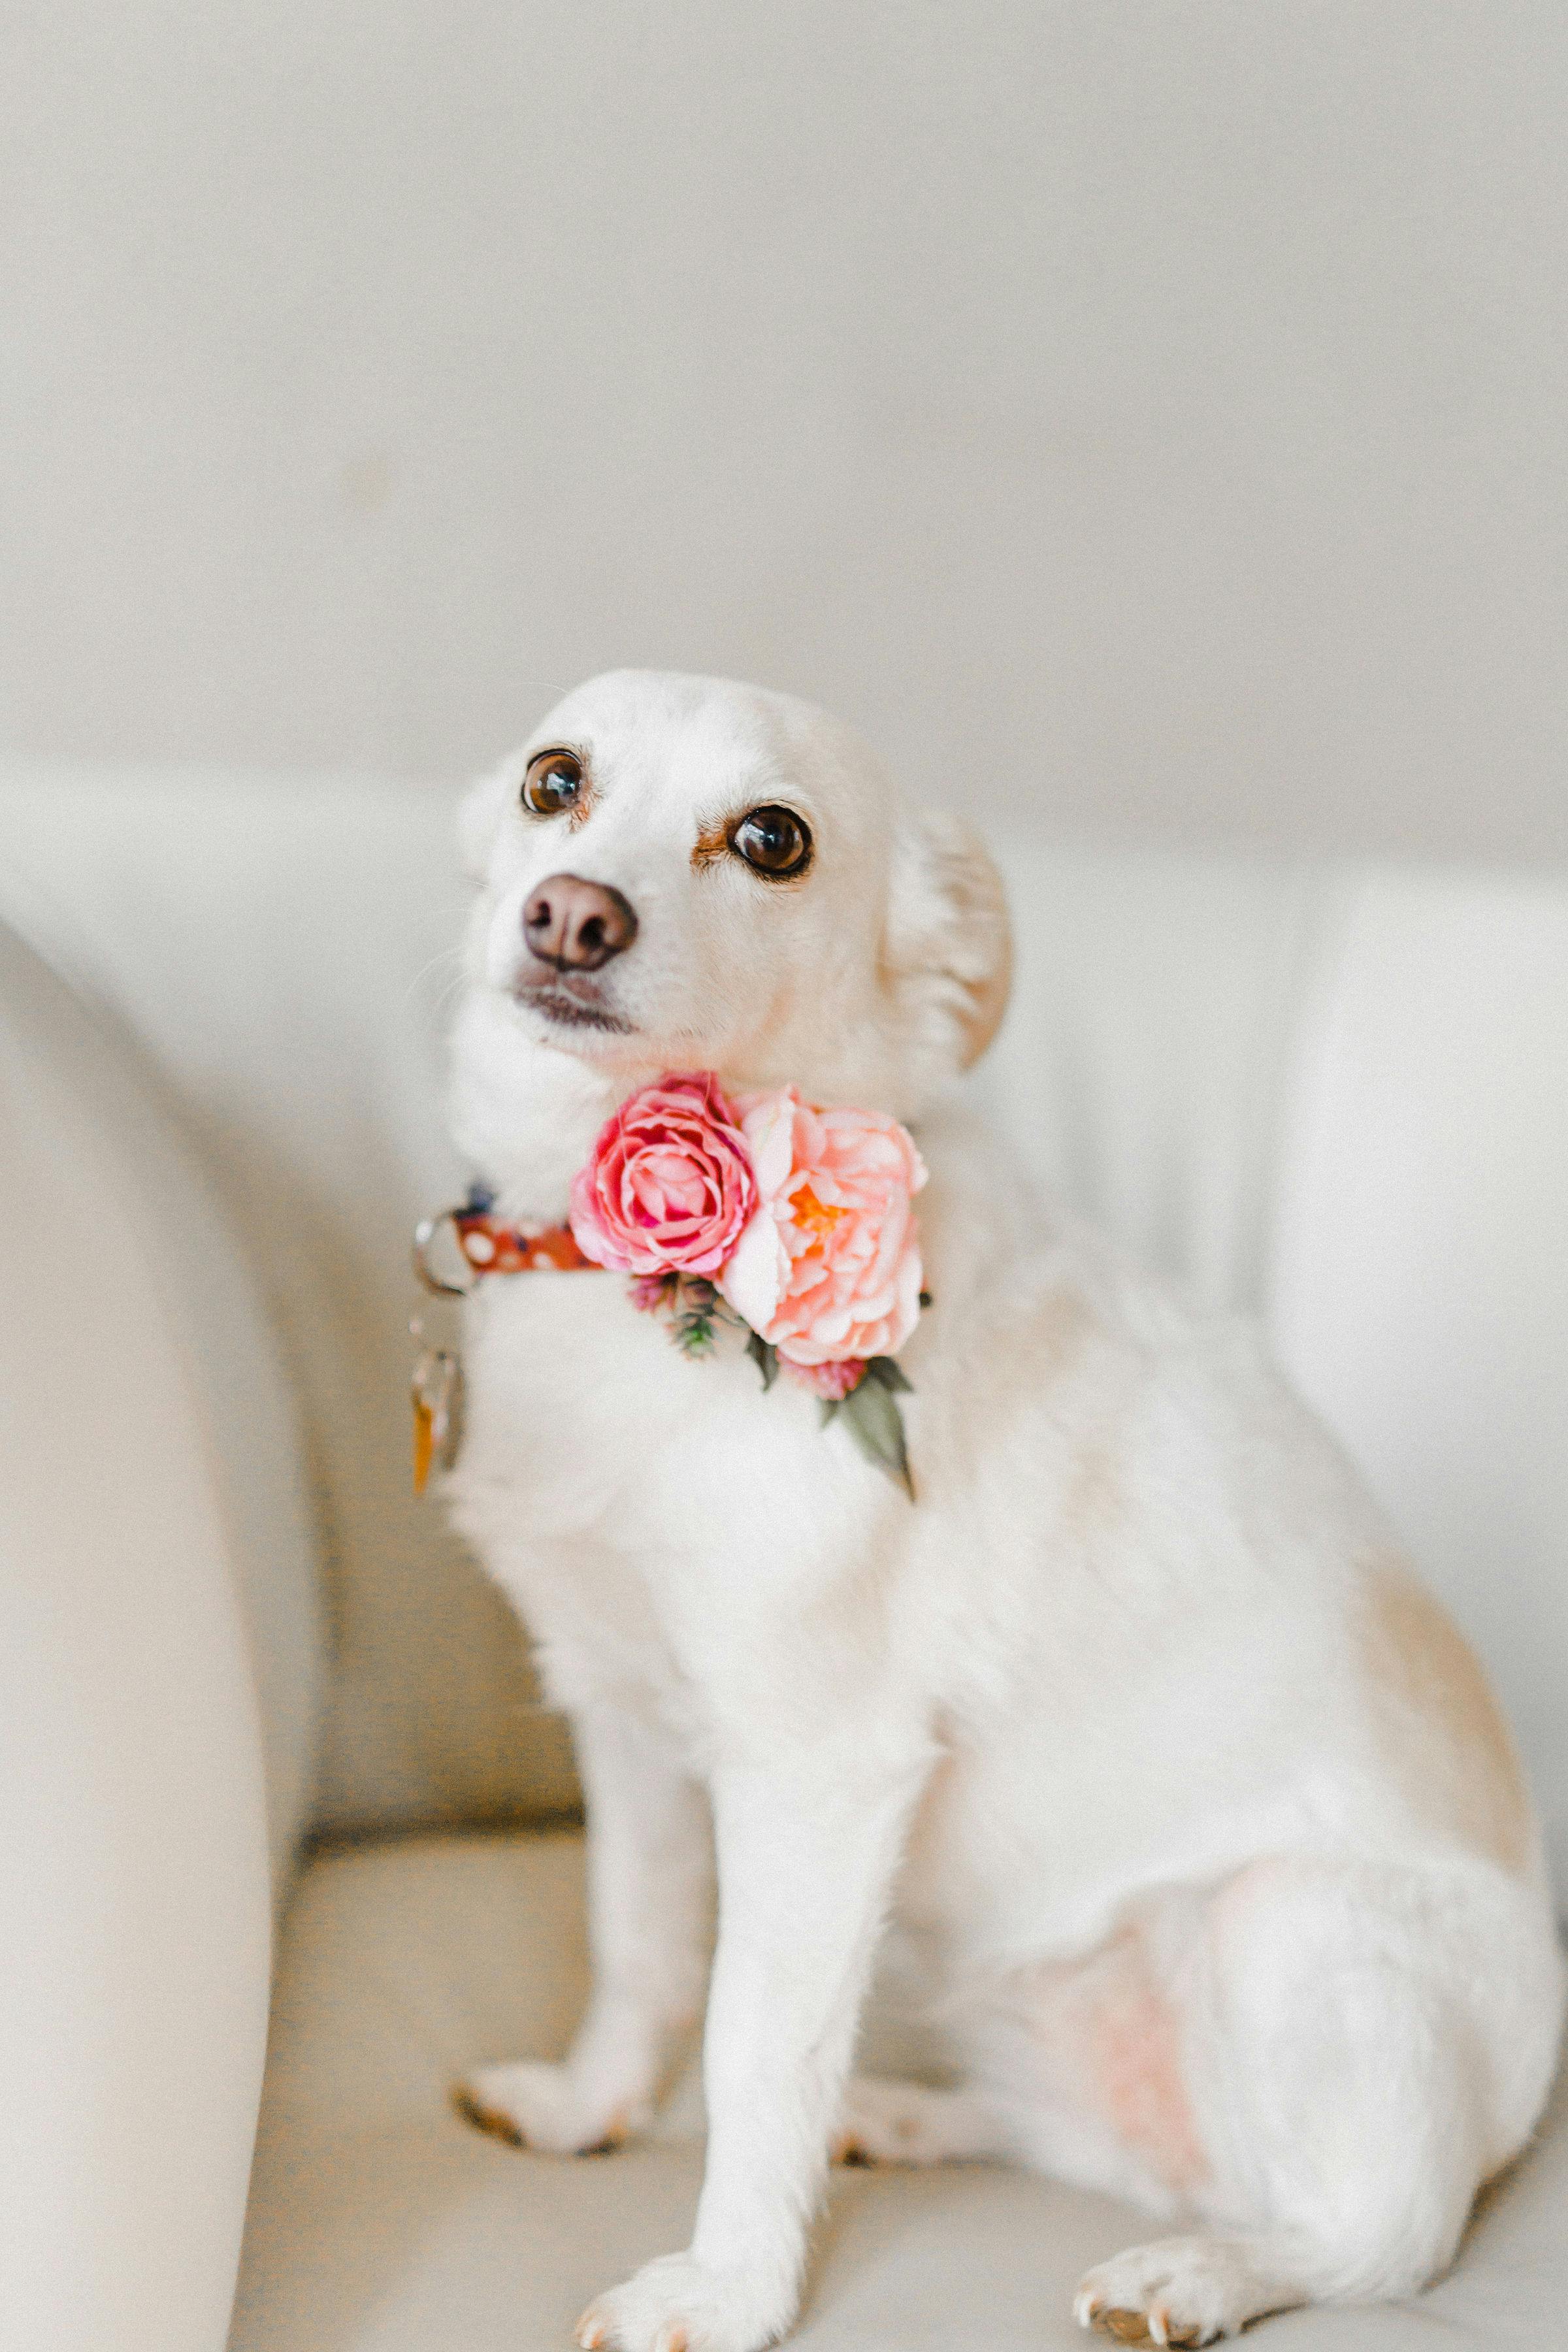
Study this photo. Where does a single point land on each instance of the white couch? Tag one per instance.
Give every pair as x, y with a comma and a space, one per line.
244, 1676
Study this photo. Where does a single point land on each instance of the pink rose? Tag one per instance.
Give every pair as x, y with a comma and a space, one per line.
669, 1184
831, 1381
829, 1266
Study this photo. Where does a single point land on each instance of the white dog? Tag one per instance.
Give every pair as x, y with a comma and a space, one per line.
1133, 1742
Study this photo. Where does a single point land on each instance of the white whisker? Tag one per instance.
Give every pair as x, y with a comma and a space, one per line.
452, 955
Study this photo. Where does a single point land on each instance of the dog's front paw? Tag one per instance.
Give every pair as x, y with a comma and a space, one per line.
679, 2304
547, 2108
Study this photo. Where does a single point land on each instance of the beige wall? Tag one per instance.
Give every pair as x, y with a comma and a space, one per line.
1153, 415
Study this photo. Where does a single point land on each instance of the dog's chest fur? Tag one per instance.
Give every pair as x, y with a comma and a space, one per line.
654, 1517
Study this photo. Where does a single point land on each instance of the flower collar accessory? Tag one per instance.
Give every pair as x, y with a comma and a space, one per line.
760, 1211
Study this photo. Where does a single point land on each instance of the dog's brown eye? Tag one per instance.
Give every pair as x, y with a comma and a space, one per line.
554, 782
774, 841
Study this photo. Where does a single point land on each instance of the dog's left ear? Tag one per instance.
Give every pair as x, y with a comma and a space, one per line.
948, 955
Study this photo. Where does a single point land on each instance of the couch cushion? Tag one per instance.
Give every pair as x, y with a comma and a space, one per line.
1418, 1284
281, 950
380, 2223
155, 1586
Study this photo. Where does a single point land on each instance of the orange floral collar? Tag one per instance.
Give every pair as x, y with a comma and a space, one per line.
490, 1246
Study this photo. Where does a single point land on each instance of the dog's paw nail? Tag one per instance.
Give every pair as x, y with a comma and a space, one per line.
591, 2330
1086, 2308
1166, 2330
615, 2133
671, 2337
486, 2119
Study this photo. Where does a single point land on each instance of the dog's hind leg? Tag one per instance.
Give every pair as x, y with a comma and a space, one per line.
884, 2122
1348, 2095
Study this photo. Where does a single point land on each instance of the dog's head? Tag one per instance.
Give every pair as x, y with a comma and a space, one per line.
684, 873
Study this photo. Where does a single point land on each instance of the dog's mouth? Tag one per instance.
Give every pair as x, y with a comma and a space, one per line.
570, 1003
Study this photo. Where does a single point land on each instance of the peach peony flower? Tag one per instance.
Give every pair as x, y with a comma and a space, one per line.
669, 1184
828, 1268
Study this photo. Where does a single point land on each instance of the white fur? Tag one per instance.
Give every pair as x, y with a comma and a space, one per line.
1126, 1754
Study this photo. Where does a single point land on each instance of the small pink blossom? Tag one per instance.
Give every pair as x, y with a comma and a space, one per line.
829, 1267
649, 1292
669, 1184
834, 1381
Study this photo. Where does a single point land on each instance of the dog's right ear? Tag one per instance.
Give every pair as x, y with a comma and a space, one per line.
479, 817
949, 949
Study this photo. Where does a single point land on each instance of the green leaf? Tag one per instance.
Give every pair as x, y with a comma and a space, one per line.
825, 1409
693, 1333
877, 1426
886, 1370
765, 1357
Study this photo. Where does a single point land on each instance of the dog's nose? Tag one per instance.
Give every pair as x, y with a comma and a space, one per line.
575, 924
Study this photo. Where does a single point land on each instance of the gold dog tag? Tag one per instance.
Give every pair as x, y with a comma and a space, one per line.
422, 1444
436, 1394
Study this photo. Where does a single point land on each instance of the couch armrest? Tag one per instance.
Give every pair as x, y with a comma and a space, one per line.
133, 1816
